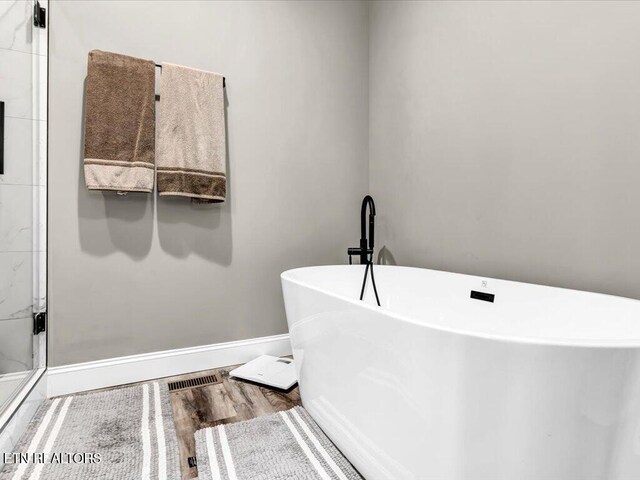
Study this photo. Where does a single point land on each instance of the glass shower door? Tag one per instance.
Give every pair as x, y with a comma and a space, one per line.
23, 193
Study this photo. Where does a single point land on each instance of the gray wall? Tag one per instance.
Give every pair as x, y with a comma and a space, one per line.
133, 275
505, 139
501, 139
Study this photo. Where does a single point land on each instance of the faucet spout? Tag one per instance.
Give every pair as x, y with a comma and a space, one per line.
366, 248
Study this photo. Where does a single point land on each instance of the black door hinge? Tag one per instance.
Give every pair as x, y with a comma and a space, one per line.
39, 15
39, 322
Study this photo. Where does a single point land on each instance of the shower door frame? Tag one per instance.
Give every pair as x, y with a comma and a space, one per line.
18, 410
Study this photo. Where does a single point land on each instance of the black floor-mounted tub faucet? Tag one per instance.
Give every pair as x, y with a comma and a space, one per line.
365, 250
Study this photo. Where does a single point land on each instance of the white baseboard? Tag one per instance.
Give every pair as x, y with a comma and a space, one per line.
14, 376
81, 377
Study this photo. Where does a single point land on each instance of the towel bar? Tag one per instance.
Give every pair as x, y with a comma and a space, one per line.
224, 79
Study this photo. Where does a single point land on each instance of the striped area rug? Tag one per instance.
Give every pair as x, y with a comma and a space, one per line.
285, 445
130, 428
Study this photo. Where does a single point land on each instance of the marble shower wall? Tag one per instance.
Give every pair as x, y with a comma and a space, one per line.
23, 191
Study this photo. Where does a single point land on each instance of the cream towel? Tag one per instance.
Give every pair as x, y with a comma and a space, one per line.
119, 128
191, 135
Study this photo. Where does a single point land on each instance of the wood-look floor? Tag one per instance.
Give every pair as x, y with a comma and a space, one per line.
225, 402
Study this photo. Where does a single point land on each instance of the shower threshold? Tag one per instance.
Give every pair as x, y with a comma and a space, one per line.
20, 396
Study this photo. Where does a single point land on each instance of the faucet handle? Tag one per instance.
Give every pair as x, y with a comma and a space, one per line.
352, 251
357, 251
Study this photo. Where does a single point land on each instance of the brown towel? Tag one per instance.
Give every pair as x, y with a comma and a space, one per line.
191, 135
119, 131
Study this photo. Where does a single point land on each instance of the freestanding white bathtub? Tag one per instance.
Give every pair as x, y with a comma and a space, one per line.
541, 384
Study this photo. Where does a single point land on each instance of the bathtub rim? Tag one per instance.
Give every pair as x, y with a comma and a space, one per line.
551, 342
